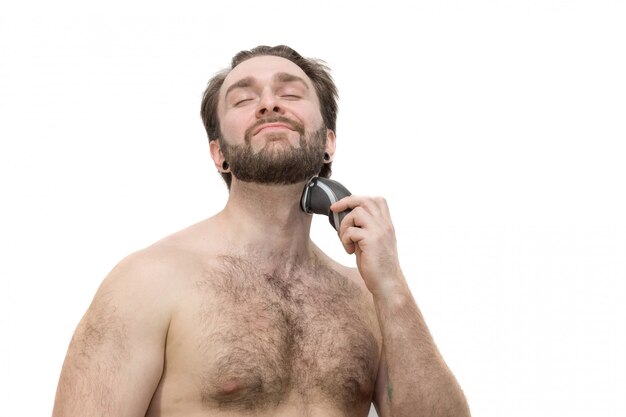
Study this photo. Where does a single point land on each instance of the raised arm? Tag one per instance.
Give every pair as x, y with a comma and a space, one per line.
115, 359
413, 379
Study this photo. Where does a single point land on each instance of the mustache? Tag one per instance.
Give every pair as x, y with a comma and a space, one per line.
275, 119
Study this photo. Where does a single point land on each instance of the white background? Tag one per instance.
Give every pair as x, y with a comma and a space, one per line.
495, 130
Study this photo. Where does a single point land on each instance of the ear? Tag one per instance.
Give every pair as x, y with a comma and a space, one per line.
330, 143
216, 155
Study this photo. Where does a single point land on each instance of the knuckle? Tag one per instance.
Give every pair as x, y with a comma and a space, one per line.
380, 201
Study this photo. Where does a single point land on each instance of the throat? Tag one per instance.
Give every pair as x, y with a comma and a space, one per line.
267, 231
266, 203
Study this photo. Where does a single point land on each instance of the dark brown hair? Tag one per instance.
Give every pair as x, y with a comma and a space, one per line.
314, 68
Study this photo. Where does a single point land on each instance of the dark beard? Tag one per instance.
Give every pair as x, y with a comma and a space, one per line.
280, 167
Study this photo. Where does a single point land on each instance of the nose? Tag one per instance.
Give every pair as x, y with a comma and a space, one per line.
268, 104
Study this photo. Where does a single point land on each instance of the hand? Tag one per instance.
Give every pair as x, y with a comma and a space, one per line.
367, 231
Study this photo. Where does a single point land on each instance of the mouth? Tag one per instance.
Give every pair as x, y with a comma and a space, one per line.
272, 126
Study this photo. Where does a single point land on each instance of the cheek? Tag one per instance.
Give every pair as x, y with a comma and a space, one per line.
311, 117
233, 126
318, 121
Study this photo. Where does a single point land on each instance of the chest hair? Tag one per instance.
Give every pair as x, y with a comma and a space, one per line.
282, 328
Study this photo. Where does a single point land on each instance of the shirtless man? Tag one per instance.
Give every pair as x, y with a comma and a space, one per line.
241, 314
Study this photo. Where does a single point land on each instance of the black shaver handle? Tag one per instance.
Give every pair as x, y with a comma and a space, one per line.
319, 194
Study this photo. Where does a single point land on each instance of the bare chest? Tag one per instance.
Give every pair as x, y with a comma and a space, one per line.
262, 335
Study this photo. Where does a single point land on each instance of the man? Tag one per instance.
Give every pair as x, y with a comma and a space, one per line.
241, 314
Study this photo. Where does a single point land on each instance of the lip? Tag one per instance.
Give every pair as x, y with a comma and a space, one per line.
272, 125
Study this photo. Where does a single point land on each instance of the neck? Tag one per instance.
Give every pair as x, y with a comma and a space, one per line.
267, 220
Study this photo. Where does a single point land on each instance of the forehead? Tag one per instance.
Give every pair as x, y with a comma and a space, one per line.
263, 69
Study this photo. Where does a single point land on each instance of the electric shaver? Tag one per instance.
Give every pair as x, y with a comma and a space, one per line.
319, 194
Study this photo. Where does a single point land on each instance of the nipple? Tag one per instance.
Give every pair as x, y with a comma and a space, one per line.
229, 387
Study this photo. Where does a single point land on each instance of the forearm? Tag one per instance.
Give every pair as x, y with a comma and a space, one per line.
417, 379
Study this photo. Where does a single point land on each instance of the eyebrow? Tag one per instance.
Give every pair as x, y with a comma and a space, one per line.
243, 83
281, 77
285, 77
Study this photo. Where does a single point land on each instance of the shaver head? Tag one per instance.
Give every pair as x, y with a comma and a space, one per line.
319, 194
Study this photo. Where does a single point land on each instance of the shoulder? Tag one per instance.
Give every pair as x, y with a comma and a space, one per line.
174, 254
137, 286
157, 274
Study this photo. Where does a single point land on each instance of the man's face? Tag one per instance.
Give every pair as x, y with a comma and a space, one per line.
271, 124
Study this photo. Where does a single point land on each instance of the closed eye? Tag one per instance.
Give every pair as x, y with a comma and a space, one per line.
242, 101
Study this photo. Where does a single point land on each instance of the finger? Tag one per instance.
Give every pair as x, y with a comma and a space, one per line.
349, 248
358, 217
348, 245
372, 204
346, 203
351, 237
